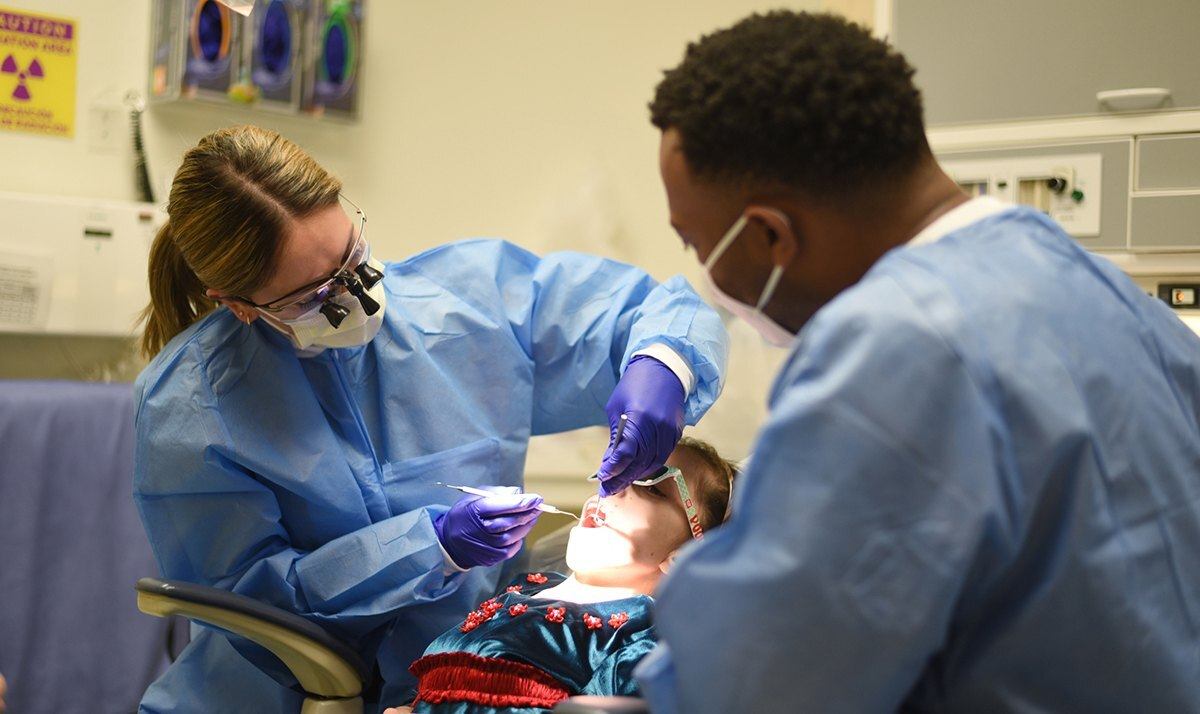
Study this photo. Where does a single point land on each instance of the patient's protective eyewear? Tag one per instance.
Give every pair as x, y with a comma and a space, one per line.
353, 275
685, 495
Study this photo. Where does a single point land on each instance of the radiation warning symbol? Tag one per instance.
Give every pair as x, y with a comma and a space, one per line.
33, 71
38, 56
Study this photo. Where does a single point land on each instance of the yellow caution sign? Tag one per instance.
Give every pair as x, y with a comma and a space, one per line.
37, 73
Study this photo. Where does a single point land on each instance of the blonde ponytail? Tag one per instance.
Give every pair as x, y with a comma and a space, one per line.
177, 297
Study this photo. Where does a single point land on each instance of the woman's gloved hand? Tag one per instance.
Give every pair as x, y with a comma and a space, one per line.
651, 396
485, 530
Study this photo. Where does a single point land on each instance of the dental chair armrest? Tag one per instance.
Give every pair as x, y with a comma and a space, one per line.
324, 666
602, 705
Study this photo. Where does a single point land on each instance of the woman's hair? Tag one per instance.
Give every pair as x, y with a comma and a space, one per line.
231, 203
712, 490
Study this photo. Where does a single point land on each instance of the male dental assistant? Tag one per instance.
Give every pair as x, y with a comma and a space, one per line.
978, 488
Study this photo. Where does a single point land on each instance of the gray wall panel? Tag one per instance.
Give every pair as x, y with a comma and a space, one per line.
1169, 163
1166, 222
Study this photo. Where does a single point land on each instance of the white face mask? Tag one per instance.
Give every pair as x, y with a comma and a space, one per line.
312, 332
768, 329
590, 550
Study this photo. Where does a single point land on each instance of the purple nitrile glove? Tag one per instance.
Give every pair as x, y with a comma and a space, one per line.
652, 398
485, 530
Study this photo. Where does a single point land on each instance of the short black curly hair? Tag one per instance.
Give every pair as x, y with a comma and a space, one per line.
808, 101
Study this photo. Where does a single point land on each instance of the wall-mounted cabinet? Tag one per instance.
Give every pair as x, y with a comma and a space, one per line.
987, 61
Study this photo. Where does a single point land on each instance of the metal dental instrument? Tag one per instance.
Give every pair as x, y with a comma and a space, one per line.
616, 440
543, 507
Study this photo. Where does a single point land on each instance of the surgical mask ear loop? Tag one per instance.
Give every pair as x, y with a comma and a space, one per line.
731, 235
726, 240
769, 289
754, 315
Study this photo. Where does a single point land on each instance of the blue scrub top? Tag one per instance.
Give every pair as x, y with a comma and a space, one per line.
308, 483
978, 490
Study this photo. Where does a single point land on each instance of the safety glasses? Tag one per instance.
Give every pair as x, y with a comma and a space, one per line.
685, 495
353, 275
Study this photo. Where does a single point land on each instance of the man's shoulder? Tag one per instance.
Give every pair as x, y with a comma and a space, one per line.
881, 307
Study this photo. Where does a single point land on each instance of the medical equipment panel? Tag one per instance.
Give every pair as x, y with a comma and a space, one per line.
1022, 59
274, 51
288, 56
195, 49
1085, 187
166, 49
1066, 187
73, 265
333, 62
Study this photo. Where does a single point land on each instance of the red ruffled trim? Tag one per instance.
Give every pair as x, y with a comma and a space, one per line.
465, 677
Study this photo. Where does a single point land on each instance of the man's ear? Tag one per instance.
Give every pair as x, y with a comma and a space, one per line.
782, 238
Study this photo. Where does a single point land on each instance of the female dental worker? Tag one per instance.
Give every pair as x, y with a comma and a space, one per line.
289, 446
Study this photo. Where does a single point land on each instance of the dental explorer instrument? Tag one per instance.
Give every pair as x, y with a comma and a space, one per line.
543, 507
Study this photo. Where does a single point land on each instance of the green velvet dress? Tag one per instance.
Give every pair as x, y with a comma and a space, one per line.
520, 653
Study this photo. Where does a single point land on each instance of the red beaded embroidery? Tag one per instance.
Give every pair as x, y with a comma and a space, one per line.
474, 619
513, 589
518, 609
490, 606
536, 578
556, 614
486, 610
617, 619
592, 622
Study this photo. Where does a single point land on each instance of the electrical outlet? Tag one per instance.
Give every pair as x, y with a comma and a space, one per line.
107, 129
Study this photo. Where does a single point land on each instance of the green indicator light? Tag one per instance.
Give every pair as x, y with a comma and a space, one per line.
1077, 196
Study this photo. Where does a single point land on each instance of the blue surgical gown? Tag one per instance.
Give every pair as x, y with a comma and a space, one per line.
309, 483
978, 490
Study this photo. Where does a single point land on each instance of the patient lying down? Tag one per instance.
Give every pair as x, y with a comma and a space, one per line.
546, 637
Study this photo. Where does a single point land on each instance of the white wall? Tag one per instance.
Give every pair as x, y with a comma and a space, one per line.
480, 118
525, 120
